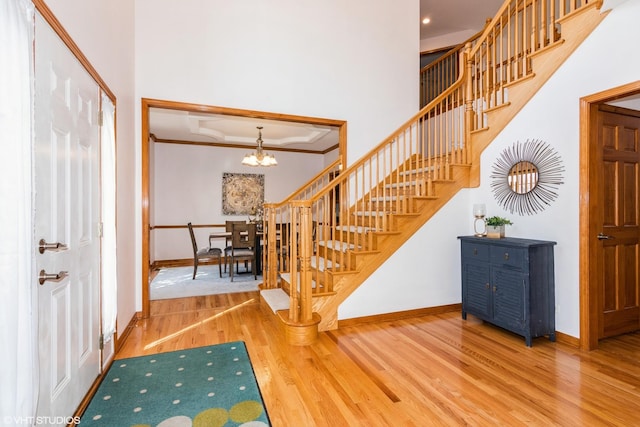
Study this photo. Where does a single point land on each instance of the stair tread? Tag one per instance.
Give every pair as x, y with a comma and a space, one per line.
354, 228
380, 213
397, 198
362, 229
418, 171
277, 299
287, 278
388, 233
322, 264
394, 198
336, 244
370, 213
401, 184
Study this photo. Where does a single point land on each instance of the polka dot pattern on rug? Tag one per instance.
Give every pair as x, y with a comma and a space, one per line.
208, 386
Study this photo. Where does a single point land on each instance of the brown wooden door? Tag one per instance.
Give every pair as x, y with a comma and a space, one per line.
619, 249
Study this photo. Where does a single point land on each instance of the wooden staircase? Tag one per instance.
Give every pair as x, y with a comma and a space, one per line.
326, 240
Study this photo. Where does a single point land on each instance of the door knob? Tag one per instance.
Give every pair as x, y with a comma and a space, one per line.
56, 277
44, 246
604, 237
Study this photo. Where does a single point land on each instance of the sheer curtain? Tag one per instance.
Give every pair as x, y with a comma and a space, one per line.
109, 266
18, 293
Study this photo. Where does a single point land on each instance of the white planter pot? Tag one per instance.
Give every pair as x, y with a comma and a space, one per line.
495, 231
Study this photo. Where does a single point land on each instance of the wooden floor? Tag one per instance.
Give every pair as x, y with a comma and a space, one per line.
434, 370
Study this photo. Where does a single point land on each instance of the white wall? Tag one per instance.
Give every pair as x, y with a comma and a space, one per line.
333, 59
424, 272
188, 188
603, 61
103, 30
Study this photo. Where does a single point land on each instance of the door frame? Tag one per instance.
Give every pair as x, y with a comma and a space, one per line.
146, 144
590, 299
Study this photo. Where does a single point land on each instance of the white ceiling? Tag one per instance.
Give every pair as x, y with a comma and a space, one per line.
447, 16
631, 102
228, 130
453, 16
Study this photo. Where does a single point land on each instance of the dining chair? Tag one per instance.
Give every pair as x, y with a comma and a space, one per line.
228, 227
204, 253
243, 247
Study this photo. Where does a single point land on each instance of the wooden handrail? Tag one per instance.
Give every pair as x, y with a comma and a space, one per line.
329, 227
437, 76
319, 181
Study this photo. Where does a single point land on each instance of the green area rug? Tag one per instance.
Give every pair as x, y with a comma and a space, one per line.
206, 386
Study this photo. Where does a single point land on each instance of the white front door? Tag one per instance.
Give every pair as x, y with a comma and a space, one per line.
67, 211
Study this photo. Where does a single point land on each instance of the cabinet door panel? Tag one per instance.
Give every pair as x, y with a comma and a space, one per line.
509, 296
477, 294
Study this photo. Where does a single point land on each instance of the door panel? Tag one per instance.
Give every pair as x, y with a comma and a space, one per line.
60, 373
478, 294
67, 210
508, 298
619, 139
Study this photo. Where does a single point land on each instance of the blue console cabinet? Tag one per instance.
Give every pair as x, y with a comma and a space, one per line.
509, 282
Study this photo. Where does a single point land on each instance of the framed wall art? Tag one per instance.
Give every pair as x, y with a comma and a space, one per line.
242, 193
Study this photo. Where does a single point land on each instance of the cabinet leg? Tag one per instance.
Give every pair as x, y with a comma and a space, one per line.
552, 337
464, 315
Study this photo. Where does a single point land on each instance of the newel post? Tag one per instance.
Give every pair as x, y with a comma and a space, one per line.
305, 235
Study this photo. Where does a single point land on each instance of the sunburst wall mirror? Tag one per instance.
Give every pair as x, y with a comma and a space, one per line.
526, 177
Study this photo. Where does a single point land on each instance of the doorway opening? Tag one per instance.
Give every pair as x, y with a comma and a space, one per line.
194, 110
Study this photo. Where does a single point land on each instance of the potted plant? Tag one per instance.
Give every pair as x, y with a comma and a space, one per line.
495, 226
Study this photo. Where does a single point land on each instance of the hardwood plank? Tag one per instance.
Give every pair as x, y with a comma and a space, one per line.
425, 370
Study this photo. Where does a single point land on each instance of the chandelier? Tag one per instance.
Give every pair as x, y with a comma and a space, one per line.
259, 157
